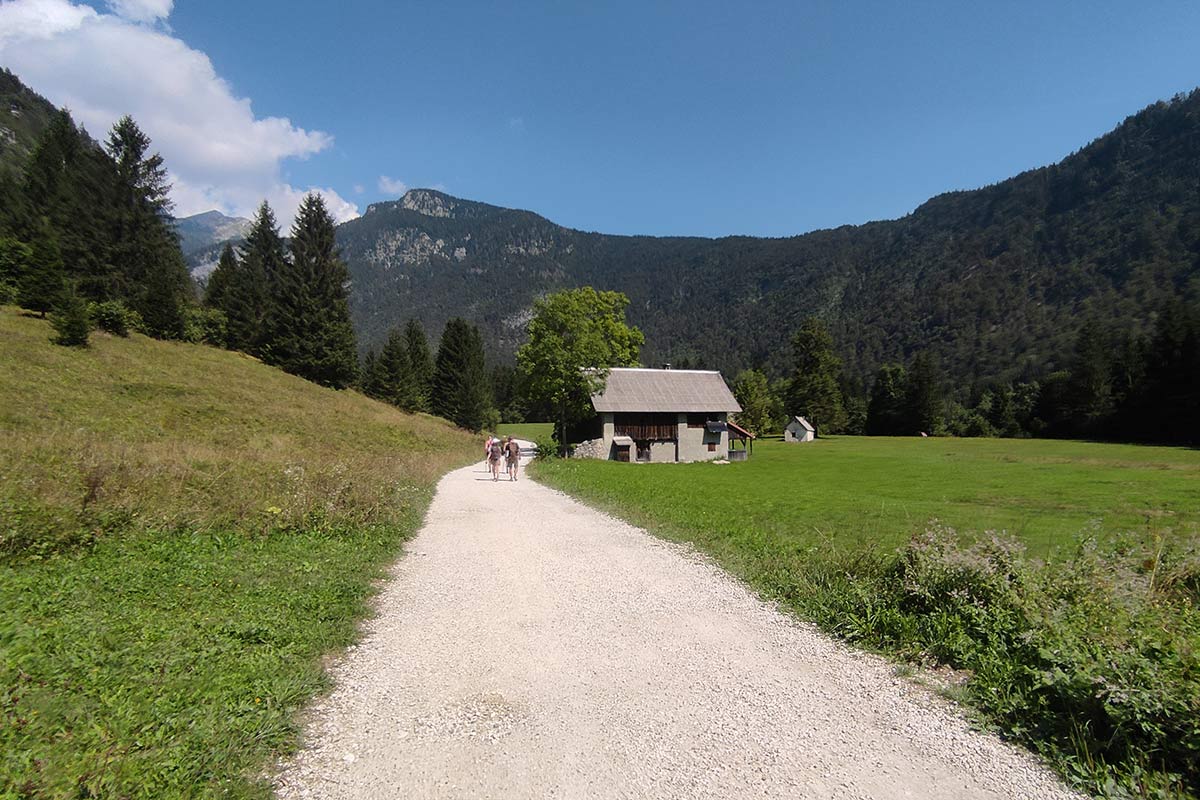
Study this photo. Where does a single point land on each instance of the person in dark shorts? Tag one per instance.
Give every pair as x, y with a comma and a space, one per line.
512, 455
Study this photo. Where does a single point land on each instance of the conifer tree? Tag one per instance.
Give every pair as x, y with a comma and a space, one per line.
368, 375
885, 410
1090, 387
146, 249
307, 328
220, 281
41, 287
420, 365
70, 320
923, 396
460, 391
247, 297
813, 391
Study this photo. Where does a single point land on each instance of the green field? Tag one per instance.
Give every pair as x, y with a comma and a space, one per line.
530, 431
185, 534
1075, 629
850, 492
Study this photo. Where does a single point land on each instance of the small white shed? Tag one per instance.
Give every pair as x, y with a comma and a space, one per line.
799, 430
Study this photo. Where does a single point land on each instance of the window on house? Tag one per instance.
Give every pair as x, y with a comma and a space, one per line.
712, 447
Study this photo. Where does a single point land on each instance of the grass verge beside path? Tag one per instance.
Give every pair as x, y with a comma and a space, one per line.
1078, 632
184, 534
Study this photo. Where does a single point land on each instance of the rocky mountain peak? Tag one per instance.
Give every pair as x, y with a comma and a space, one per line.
429, 203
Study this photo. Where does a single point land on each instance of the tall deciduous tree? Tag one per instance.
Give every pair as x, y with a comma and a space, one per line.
307, 329
814, 391
753, 393
460, 384
575, 336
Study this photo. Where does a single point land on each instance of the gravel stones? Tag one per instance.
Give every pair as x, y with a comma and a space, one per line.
528, 646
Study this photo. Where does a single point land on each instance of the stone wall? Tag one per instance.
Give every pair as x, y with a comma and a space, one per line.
592, 448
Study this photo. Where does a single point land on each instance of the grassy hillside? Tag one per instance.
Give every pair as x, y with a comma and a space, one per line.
1077, 631
184, 533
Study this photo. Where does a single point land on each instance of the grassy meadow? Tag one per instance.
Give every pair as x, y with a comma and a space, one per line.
530, 431
1060, 581
852, 492
184, 535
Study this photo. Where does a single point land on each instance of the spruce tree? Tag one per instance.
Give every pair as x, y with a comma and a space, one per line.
307, 325
248, 295
41, 287
814, 391
70, 320
152, 270
885, 410
923, 396
420, 365
368, 375
460, 390
393, 375
220, 281
1090, 387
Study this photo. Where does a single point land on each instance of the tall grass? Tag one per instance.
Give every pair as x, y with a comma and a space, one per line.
184, 534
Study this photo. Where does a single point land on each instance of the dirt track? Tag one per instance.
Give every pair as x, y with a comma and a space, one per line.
529, 646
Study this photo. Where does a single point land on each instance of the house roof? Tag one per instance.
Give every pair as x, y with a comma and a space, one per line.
807, 425
740, 431
664, 390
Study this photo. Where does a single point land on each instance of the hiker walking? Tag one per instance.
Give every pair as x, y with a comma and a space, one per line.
512, 454
495, 452
487, 451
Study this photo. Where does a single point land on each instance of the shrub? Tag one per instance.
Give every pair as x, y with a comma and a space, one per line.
1095, 661
546, 448
114, 317
204, 325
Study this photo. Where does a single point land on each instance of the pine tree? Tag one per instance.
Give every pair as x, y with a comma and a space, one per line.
814, 392
42, 285
368, 375
307, 328
1090, 387
70, 320
154, 276
885, 410
923, 396
394, 377
248, 295
420, 365
460, 391
220, 281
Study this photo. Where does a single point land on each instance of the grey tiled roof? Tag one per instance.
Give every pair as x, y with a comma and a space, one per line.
665, 390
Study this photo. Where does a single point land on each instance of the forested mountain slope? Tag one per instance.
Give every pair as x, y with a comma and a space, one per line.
995, 281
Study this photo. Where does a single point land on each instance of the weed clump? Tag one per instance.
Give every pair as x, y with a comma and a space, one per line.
1093, 660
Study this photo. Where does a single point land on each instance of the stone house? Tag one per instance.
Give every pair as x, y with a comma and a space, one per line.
660, 415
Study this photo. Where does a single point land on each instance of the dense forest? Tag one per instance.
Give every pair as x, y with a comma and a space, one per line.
994, 284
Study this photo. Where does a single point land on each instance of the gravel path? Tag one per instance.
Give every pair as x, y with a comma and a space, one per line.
529, 646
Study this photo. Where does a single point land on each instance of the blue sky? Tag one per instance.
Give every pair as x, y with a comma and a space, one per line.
666, 118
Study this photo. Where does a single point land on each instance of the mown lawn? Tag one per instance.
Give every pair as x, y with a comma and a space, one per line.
853, 492
530, 431
185, 534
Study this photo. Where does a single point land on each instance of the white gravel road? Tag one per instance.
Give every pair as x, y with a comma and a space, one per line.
528, 646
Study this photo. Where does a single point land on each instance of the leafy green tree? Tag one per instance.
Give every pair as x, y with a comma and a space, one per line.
307, 329
420, 365
70, 320
575, 337
814, 391
41, 287
753, 393
460, 382
885, 410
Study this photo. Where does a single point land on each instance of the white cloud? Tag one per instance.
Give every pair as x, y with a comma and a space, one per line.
392, 185
142, 10
101, 66
359, 188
